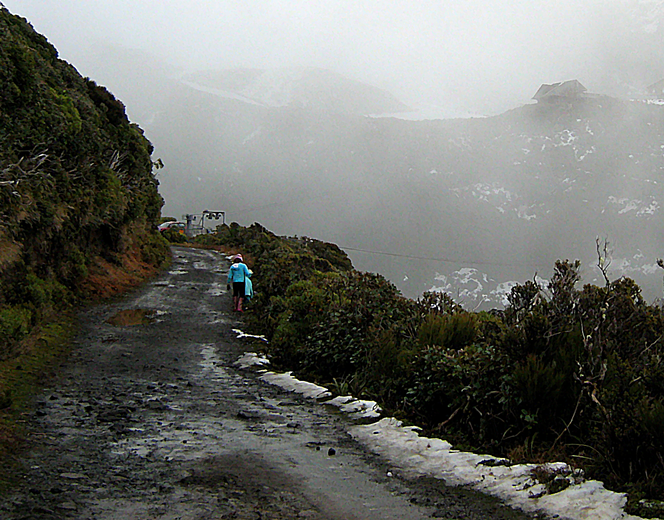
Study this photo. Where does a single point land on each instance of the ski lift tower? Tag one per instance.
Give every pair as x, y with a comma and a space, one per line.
213, 215
196, 221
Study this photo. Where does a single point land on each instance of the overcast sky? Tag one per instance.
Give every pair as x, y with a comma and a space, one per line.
484, 52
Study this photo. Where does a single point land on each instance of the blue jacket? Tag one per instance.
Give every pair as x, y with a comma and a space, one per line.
238, 272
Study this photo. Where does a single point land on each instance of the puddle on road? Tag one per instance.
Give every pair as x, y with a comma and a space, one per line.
217, 289
212, 363
132, 317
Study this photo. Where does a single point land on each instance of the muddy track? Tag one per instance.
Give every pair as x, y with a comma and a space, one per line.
151, 419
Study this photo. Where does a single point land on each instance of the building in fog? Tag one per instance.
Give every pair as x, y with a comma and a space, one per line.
562, 92
656, 89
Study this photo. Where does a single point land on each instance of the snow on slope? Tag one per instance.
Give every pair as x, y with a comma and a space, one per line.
416, 455
648, 15
301, 87
221, 92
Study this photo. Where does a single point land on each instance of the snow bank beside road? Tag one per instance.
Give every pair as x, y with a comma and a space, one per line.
417, 455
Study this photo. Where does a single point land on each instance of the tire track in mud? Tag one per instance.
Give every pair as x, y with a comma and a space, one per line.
152, 421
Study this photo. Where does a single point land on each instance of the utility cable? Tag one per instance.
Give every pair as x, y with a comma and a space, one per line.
443, 259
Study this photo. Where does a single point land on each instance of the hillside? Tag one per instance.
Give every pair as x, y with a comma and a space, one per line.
563, 373
470, 206
78, 198
477, 203
304, 87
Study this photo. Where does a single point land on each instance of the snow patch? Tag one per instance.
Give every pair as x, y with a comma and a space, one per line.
227, 94
241, 334
251, 359
356, 407
292, 384
639, 207
419, 455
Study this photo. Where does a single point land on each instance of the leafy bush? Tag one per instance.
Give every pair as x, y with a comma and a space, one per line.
45, 293
537, 387
454, 331
15, 323
154, 249
561, 372
174, 236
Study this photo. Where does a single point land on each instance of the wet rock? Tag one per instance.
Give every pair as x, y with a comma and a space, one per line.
156, 405
113, 415
68, 506
244, 414
73, 476
119, 428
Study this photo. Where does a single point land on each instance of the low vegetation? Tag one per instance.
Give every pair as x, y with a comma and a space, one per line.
78, 208
561, 373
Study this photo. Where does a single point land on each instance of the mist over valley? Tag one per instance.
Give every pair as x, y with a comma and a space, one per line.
424, 155
467, 206
460, 151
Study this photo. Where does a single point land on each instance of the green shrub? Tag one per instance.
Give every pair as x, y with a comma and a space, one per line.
174, 236
388, 368
15, 323
46, 293
154, 249
302, 308
521, 300
454, 331
538, 389
438, 303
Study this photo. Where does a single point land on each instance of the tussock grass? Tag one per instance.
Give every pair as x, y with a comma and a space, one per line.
21, 378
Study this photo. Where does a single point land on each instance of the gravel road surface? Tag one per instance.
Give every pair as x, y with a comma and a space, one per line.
152, 419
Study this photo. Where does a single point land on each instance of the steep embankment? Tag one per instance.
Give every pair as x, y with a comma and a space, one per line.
78, 199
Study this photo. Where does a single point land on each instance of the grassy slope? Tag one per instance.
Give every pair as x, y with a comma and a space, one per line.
78, 208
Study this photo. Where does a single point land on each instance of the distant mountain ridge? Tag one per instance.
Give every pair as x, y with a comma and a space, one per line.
477, 203
648, 15
504, 196
303, 87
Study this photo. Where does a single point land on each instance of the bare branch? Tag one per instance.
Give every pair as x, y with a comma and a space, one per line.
603, 258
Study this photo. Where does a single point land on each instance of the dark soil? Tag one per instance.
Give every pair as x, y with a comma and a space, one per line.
151, 419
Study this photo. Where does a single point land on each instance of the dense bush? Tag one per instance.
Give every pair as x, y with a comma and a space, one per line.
561, 372
76, 182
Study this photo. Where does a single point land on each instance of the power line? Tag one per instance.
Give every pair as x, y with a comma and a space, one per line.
443, 259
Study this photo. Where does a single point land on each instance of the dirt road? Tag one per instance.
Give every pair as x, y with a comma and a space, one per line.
151, 419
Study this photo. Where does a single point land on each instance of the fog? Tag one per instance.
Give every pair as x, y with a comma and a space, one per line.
472, 188
472, 57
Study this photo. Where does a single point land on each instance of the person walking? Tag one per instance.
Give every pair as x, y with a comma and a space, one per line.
237, 275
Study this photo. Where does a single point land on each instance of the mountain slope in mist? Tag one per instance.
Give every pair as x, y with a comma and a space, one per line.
630, 56
477, 202
304, 87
